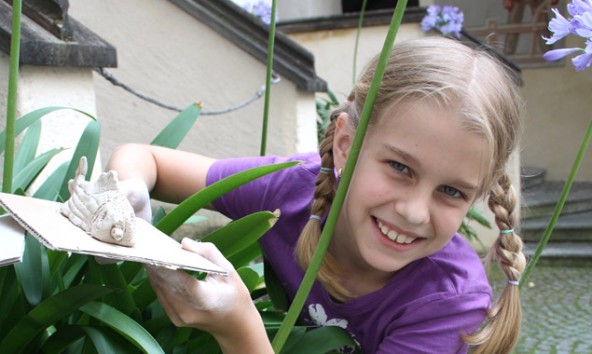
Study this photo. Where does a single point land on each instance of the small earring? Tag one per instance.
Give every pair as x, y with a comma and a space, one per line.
339, 172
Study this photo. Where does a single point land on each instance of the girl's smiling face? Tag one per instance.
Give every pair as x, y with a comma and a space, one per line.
418, 172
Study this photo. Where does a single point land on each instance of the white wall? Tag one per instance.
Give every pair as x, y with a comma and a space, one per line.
168, 55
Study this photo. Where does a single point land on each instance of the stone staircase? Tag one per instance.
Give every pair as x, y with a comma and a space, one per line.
571, 240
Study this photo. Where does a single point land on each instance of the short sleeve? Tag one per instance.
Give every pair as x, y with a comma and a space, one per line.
264, 193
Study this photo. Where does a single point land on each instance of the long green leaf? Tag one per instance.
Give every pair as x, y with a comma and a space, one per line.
559, 206
33, 271
88, 146
107, 341
172, 135
239, 234
27, 147
358, 32
319, 254
50, 188
27, 175
124, 325
249, 277
13, 74
121, 298
183, 211
25, 121
322, 340
47, 313
245, 256
268, 73
10, 296
62, 339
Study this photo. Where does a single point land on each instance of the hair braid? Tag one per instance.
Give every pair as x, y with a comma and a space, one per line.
325, 189
502, 329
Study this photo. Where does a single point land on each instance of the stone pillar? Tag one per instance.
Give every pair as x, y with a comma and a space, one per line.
53, 72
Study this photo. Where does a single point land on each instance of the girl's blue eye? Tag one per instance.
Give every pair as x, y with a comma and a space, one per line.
399, 167
452, 192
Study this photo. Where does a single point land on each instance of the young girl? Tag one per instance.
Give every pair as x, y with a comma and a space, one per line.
397, 276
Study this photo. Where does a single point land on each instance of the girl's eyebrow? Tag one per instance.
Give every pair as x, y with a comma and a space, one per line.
404, 154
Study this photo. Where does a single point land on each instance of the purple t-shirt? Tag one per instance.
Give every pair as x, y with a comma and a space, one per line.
424, 308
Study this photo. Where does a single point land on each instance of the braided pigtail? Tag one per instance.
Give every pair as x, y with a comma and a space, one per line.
325, 188
502, 328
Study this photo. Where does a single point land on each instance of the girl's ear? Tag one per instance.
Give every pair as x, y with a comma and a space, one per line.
342, 140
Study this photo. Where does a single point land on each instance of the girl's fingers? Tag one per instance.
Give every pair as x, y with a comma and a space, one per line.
209, 251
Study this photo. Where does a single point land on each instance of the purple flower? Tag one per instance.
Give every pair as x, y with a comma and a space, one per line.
447, 19
557, 54
578, 7
583, 60
261, 9
580, 24
559, 26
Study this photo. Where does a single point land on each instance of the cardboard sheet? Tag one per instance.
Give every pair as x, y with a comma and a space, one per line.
12, 241
43, 220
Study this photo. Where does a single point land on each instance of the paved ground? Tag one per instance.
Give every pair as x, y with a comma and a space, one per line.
557, 311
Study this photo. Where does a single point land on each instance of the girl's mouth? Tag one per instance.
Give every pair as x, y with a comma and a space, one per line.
394, 235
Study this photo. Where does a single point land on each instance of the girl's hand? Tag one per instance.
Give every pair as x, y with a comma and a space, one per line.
136, 191
220, 305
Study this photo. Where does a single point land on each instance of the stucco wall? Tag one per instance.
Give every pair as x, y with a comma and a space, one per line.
334, 51
168, 55
558, 113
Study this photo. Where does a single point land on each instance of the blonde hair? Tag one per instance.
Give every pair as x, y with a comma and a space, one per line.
447, 73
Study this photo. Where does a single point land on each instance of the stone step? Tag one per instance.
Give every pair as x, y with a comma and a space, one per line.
532, 176
566, 253
540, 200
575, 227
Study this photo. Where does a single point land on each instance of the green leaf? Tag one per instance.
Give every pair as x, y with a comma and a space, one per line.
275, 289
124, 325
107, 341
25, 176
239, 234
319, 254
88, 146
30, 118
50, 189
28, 147
187, 208
62, 339
74, 269
121, 298
47, 313
245, 256
172, 135
249, 277
322, 340
33, 271
159, 214
475, 215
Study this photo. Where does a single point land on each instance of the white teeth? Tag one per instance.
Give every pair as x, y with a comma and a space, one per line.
394, 236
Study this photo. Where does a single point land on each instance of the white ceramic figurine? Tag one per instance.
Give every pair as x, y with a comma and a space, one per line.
99, 208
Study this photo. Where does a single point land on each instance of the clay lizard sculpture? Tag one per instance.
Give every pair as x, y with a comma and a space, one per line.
99, 208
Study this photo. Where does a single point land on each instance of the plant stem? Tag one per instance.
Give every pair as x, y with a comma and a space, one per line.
558, 207
360, 21
270, 45
327, 233
12, 95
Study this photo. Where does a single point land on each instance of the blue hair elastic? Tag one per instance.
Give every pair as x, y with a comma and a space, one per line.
514, 282
508, 231
316, 217
326, 170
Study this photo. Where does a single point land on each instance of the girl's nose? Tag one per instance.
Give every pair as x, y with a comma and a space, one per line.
413, 206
